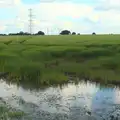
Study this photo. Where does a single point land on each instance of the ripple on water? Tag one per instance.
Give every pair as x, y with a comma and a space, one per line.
72, 102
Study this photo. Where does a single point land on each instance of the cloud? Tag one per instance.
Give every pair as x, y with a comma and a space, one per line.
56, 15
2, 28
9, 3
48, 14
106, 5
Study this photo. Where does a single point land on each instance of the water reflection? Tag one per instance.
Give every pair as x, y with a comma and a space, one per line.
74, 100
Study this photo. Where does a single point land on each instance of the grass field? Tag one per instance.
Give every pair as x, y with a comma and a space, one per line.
45, 59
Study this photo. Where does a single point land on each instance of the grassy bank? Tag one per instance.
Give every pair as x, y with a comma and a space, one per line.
45, 59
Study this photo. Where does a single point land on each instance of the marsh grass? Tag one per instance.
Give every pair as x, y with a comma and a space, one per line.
45, 59
6, 113
8, 42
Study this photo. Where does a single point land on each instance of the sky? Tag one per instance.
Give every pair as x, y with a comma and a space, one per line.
53, 16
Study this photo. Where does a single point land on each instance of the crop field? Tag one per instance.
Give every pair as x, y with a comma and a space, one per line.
46, 59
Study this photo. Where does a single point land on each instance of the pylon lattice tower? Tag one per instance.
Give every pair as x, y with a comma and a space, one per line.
30, 21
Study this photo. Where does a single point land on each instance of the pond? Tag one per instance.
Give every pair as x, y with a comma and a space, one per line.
82, 101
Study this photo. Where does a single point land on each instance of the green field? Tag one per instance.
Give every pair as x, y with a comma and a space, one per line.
45, 59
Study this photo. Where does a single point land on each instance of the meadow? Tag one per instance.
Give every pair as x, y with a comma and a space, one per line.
45, 60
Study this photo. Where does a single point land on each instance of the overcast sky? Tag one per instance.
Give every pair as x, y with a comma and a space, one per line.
81, 16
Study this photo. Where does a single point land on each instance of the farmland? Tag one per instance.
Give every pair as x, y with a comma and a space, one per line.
44, 60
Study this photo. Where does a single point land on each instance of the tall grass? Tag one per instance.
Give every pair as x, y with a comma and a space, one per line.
44, 59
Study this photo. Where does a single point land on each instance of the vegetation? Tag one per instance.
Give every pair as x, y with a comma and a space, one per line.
93, 33
9, 113
65, 32
40, 33
73, 33
21, 33
46, 59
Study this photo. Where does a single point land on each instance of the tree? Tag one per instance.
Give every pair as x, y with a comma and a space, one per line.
78, 33
26, 33
93, 33
73, 33
21, 33
65, 32
40, 33
2, 34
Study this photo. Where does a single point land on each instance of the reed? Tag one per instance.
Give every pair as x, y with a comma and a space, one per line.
45, 59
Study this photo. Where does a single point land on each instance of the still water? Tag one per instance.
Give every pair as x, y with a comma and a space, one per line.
83, 101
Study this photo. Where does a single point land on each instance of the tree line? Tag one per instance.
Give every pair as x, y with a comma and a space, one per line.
63, 32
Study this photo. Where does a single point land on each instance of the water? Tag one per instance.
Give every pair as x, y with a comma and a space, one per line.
83, 101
